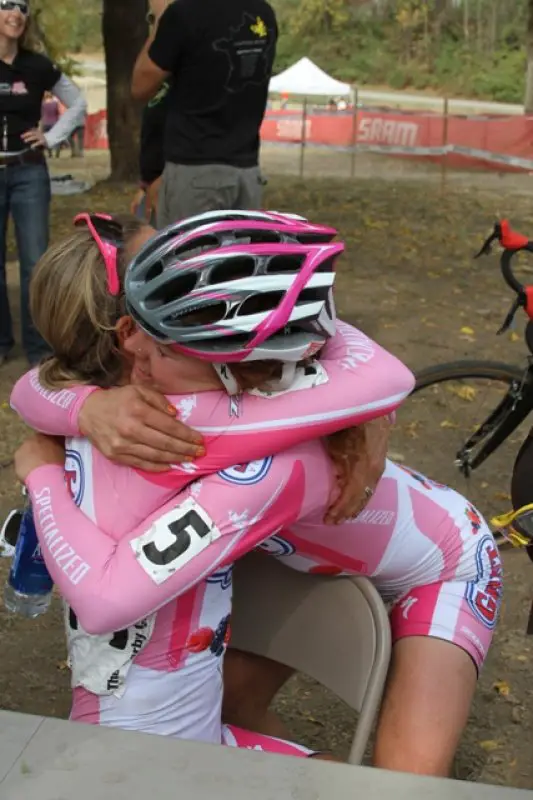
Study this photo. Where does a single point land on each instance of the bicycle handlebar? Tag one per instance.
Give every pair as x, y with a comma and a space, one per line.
512, 244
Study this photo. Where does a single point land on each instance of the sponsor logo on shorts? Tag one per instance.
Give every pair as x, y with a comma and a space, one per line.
474, 518
278, 547
427, 483
484, 594
247, 474
406, 605
476, 641
74, 475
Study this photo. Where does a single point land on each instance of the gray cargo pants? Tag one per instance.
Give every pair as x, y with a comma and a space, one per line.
187, 190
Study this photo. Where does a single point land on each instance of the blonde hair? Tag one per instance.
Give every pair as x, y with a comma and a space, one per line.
73, 311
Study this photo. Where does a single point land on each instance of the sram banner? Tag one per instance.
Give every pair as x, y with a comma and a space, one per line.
502, 143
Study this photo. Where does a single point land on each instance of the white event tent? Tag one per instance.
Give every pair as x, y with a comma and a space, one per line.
306, 79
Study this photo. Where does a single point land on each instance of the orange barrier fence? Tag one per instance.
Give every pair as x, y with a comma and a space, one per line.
503, 143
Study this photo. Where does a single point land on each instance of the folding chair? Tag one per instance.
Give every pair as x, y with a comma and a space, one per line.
334, 629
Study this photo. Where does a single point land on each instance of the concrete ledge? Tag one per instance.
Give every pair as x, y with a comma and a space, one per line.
49, 759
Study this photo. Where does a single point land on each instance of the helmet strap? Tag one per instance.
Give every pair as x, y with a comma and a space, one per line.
227, 378
285, 381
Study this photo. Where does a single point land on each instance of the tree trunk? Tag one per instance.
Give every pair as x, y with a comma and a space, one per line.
125, 31
528, 99
466, 21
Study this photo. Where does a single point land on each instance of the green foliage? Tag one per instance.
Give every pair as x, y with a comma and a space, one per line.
67, 27
462, 48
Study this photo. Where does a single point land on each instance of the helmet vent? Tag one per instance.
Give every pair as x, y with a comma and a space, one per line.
210, 315
259, 303
285, 263
179, 286
232, 269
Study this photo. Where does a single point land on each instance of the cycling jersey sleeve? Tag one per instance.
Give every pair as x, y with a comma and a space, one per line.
110, 585
51, 412
354, 381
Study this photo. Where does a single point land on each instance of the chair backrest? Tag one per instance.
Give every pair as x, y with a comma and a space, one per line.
334, 629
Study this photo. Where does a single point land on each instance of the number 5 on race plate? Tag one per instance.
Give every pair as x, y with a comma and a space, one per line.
174, 539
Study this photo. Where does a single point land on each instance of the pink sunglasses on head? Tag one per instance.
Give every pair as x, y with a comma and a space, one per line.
107, 233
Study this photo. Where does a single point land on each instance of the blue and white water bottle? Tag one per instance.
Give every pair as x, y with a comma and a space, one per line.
28, 590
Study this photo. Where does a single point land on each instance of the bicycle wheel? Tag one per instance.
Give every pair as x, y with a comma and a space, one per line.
447, 405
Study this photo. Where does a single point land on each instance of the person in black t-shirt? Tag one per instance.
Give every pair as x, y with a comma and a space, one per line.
25, 76
220, 57
151, 156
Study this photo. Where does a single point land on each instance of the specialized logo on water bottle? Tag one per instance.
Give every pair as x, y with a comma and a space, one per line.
247, 474
278, 547
74, 475
484, 594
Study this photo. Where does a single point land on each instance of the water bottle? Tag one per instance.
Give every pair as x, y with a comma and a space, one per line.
10, 532
28, 590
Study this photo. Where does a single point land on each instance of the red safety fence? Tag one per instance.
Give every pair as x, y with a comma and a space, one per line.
96, 131
494, 142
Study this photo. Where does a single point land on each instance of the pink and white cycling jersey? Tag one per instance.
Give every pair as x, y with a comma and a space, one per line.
168, 663
424, 546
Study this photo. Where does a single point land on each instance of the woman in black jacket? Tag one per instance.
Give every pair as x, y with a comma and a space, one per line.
25, 76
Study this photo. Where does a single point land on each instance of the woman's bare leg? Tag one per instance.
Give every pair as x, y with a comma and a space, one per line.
250, 685
425, 708
426, 705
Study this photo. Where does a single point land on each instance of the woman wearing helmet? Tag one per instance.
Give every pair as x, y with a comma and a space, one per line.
169, 599
204, 298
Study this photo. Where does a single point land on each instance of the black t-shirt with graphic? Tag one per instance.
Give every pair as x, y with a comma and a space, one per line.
220, 54
22, 87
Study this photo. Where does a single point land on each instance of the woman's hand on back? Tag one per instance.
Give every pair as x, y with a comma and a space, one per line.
359, 459
37, 451
136, 426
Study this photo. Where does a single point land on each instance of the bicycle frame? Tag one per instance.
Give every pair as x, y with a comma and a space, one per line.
500, 424
518, 402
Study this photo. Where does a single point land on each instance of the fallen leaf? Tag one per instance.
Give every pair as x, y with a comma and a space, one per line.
396, 456
447, 424
464, 392
503, 496
514, 337
489, 745
410, 429
467, 330
502, 687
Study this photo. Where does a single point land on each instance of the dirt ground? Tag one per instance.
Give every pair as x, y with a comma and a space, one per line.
408, 280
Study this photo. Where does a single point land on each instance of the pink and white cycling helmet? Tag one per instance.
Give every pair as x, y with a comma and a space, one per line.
262, 281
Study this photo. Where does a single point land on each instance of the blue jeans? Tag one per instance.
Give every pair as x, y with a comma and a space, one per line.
25, 194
